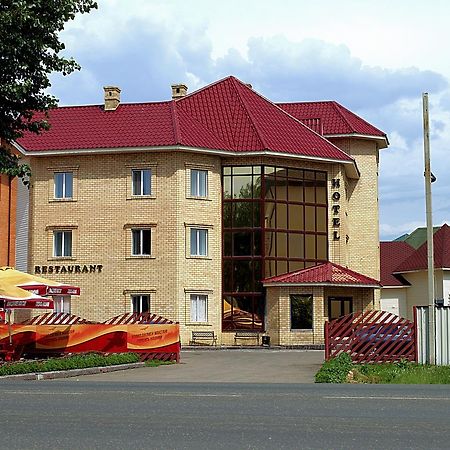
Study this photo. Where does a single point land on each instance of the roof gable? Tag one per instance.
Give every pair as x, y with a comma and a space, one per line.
391, 255
334, 118
324, 274
419, 259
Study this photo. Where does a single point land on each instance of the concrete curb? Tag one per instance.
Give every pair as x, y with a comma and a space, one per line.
189, 348
71, 373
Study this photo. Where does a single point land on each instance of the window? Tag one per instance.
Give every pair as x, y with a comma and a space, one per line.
61, 304
141, 242
140, 303
301, 312
62, 243
63, 182
199, 307
142, 181
199, 242
199, 183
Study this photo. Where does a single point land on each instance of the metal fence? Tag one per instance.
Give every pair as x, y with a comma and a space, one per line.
442, 334
371, 337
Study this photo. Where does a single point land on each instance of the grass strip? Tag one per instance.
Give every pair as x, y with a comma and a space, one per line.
67, 363
341, 370
157, 362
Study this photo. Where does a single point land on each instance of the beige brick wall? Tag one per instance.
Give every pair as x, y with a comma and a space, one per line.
102, 216
103, 213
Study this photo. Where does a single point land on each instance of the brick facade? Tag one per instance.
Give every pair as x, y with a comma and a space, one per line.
103, 212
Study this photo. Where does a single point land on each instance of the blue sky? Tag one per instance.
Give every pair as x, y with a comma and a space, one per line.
376, 58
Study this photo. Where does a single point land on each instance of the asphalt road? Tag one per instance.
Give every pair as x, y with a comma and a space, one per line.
75, 414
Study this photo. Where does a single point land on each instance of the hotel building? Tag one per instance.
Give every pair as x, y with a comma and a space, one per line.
219, 209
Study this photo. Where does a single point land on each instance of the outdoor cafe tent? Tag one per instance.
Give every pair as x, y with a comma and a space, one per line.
12, 297
40, 286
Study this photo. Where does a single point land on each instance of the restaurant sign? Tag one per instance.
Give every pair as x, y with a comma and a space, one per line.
62, 269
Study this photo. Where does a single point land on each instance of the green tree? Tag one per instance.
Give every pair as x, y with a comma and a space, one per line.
29, 52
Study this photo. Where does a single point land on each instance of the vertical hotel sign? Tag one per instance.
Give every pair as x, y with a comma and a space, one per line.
336, 196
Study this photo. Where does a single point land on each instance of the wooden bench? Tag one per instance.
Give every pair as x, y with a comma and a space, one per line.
203, 336
246, 335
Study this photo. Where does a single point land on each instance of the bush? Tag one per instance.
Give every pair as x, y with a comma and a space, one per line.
70, 362
335, 370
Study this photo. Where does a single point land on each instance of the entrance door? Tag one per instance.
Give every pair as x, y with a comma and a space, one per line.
339, 306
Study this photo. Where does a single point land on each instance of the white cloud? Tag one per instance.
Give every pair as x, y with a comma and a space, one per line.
365, 57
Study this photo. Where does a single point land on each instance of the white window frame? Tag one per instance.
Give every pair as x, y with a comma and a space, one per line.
63, 233
62, 304
195, 315
141, 190
195, 181
194, 244
141, 241
64, 185
139, 298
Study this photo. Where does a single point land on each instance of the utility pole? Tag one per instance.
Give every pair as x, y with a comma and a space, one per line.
430, 247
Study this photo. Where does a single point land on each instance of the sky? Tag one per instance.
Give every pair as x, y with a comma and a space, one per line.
374, 57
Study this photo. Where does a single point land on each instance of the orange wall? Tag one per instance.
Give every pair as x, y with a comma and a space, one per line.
8, 197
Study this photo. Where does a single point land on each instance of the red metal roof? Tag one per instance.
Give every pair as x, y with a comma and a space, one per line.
327, 273
333, 118
392, 254
226, 115
419, 261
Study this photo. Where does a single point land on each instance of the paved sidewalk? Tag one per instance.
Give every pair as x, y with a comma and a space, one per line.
225, 366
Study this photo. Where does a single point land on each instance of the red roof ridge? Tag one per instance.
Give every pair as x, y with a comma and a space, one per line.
247, 110
203, 88
335, 106
314, 131
300, 102
341, 107
290, 116
176, 125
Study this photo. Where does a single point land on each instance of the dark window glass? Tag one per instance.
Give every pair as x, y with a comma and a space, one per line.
242, 243
301, 312
227, 211
242, 214
227, 251
242, 276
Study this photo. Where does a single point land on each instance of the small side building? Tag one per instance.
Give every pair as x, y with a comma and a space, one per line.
404, 275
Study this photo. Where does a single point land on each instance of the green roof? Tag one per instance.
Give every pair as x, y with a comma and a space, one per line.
417, 237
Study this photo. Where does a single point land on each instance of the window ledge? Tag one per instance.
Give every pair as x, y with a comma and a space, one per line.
198, 324
302, 331
62, 258
191, 197
140, 257
141, 197
199, 257
62, 200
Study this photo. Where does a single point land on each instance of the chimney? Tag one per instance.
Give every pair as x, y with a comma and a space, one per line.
179, 91
249, 85
112, 98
